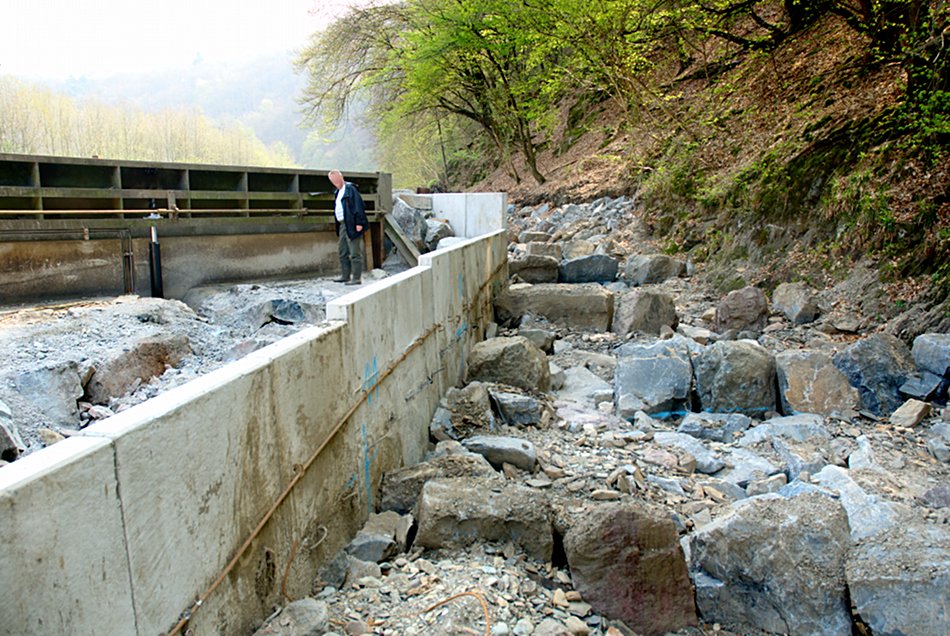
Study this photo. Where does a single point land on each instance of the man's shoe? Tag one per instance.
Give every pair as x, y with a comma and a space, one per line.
355, 281
341, 280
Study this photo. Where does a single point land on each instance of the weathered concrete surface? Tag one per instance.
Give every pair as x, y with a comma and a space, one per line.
579, 306
197, 467
64, 567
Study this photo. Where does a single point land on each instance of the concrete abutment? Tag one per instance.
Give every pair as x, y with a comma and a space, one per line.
219, 490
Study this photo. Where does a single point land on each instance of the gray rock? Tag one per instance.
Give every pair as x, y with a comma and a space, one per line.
809, 382
541, 338
412, 222
796, 301
282, 311
744, 309
551, 627
584, 387
931, 352
459, 512
533, 268
867, 515
513, 361
594, 268
500, 450
800, 443
877, 366
577, 249
306, 617
400, 489
716, 427
626, 561
745, 466
759, 567
863, 457
646, 311
900, 580
516, 409
655, 379
772, 484
706, 460
11, 445
536, 248
938, 442
450, 241
461, 412
643, 269
585, 306
936, 497
54, 391
436, 230
731, 492
736, 377
382, 536
441, 428
925, 386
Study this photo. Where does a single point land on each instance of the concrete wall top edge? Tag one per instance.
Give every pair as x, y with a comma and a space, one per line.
36, 465
338, 308
182, 396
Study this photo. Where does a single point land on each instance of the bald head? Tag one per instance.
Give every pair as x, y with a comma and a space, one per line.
336, 178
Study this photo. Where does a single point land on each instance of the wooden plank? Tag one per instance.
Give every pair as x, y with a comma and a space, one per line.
404, 246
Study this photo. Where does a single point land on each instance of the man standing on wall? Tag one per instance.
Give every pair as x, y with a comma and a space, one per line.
351, 222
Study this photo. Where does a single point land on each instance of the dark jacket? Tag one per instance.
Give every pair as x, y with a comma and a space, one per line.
354, 212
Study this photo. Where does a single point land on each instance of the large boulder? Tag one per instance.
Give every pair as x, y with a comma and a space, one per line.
594, 268
577, 248
412, 222
626, 561
868, 514
646, 311
809, 382
533, 268
744, 309
653, 378
900, 580
436, 230
877, 366
643, 269
459, 512
513, 361
776, 565
736, 377
796, 301
584, 306
400, 488
931, 352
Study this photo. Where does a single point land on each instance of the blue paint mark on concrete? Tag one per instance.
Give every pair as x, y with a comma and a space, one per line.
371, 381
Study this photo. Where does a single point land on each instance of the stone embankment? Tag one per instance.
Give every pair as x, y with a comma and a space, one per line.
633, 455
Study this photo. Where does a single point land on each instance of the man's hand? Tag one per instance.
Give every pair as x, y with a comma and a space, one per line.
359, 228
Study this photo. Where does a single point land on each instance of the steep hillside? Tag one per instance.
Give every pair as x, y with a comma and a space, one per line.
794, 163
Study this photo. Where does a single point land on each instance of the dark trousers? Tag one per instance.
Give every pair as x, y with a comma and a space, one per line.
351, 256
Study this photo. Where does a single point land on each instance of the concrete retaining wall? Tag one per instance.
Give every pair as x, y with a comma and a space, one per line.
120, 530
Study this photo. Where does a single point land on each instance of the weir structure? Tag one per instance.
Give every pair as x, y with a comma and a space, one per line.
201, 509
71, 227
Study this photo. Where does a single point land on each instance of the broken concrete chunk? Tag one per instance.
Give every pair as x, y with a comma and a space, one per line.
644, 269
581, 306
513, 361
534, 268
147, 359
459, 512
400, 489
626, 561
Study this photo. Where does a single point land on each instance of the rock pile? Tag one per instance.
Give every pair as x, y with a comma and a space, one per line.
687, 462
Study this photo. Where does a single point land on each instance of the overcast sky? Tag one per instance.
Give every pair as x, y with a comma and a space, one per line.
58, 39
